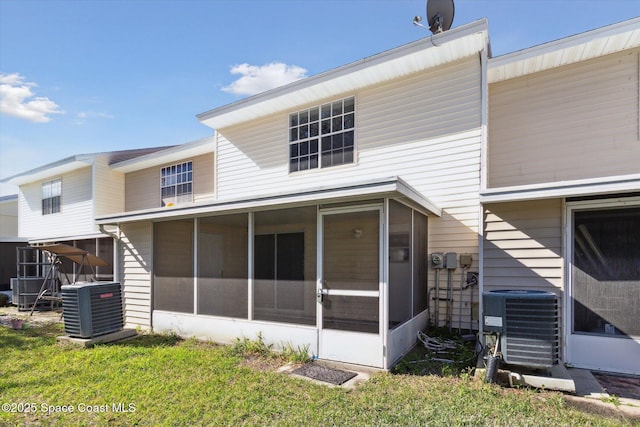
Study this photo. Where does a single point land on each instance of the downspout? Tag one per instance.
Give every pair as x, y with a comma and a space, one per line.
484, 100
116, 248
116, 264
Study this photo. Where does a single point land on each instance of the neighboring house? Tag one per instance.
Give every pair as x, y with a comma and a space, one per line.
561, 193
166, 181
328, 195
9, 239
58, 202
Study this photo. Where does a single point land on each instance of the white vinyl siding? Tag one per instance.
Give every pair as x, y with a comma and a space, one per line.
143, 186
76, 213
135, 258
574, 122
409, 127
9, 218
108, 188
523, 246
432, 142
425, 128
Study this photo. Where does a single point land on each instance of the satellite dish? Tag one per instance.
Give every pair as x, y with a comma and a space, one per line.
440, 15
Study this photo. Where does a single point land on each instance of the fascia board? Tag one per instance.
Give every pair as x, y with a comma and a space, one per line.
591, 44
179, 152
615, 184
422, 54
51, 170
390, 187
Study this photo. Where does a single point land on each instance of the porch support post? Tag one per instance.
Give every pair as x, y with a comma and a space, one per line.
196, 223
384, 274
250, 265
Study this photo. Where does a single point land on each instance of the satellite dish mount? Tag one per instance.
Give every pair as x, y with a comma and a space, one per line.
435, 24
439, 15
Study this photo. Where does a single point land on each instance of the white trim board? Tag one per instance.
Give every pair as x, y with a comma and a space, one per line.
613, 184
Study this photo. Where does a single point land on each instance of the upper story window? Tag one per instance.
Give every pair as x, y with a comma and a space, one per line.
176, 184
322, 136
51, 195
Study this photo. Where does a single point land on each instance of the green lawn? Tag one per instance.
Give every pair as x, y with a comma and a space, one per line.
162, 380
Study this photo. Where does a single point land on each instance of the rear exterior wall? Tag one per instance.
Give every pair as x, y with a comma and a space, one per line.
142, 188
425, 128
575, 122
523, 246
76, 208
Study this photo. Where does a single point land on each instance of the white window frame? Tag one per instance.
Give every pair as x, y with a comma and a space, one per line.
52, 190
311, 129
176, 177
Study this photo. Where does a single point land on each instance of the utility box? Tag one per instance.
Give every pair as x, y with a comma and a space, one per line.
92, 309
437, 260
451, 260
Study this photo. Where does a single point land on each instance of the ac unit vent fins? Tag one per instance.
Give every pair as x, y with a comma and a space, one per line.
527, 322
531, 332
92, 309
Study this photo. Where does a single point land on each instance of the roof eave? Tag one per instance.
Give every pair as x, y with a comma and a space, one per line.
379, 188
51, 170
560, 189
591, 44
178, 152
422, 54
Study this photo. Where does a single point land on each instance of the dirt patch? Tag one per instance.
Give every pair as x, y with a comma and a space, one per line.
261, 363
618, 385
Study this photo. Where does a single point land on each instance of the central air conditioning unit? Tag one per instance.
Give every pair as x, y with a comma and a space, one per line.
92, 309
527, 323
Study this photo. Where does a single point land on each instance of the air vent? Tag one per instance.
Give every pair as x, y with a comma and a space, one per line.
92, 309
527, 321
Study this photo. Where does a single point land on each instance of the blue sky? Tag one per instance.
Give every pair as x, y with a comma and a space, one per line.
85, 76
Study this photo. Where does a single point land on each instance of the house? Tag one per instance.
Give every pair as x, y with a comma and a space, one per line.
57, 203
348, 210
561, 188
328, 195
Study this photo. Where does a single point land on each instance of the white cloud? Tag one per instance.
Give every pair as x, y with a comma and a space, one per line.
18, 100
255, 79
83, 116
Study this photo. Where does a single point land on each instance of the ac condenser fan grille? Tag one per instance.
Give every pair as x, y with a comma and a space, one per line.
92, 309
531, 336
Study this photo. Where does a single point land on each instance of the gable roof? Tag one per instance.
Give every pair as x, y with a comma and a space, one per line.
72, 163
420, 55
591, 44
167, 155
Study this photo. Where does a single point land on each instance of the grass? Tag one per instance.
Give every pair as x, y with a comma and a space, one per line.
164, 380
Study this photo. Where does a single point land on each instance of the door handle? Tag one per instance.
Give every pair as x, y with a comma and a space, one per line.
320, 296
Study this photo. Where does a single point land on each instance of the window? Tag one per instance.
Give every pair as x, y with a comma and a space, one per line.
51, 193
176, 184
322, 136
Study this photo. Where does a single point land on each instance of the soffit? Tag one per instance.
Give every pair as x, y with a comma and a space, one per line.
420, 55
169, 155
602, 41
393, 187
51, 170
